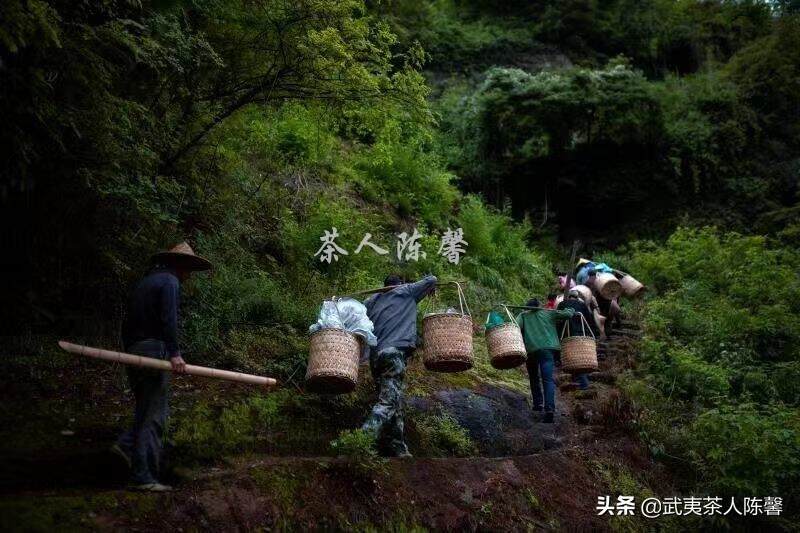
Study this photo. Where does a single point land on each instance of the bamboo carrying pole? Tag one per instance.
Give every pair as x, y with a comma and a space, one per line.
575, 244
159, 364
390, 287
523, 307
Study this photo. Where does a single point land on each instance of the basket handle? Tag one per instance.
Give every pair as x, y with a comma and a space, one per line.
584, 326
513, 320
462, 299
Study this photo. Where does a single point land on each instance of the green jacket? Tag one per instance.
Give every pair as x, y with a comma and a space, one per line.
539, 328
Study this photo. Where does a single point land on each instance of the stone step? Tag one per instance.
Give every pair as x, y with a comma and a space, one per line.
626, 332
567, 386
588, 394
612, 349
603, 377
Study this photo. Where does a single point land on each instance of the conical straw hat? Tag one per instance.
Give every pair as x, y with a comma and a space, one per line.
183, 256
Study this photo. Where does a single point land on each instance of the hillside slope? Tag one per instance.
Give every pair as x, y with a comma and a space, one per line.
520, 473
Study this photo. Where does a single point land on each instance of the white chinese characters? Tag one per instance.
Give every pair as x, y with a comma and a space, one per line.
451, 246
691, 505
408, 246
329, 249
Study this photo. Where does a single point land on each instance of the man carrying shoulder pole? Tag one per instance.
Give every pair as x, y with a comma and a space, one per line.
394, 315
151, 330
539, 333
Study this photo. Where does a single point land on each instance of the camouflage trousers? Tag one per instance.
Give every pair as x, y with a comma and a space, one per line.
385, 422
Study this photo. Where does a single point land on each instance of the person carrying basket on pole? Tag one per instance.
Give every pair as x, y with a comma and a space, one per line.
575, 302
394, 316
539, 334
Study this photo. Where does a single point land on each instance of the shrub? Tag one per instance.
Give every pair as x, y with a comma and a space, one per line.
748, 449
441, 434
359, 446
715, 388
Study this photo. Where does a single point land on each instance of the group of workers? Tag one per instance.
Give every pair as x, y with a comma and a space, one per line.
540, 325
151, 329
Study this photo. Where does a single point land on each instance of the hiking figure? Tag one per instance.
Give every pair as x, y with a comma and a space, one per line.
541, 342
610, 309
151, 330
575, 302
394, 316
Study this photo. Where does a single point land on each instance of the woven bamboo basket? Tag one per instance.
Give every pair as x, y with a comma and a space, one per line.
578, 352
448, 342
505, 345
586, 293
447, 339
333, 361
608, 286
631, 287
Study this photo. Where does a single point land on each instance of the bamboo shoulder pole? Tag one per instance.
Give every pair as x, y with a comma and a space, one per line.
159, 364
390, 287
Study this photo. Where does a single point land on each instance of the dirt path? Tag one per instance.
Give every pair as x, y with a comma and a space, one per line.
527, 474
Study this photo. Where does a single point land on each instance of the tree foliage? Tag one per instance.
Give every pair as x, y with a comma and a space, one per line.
109, 108
717, 145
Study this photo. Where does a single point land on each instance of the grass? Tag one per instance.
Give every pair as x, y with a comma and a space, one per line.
71, 513
280, 482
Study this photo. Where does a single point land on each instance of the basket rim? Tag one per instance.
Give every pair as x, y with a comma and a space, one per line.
331, 329
456, 315
500, 326
328, 373
579, 337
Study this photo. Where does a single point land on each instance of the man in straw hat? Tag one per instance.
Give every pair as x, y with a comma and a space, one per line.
394, 314
151, 330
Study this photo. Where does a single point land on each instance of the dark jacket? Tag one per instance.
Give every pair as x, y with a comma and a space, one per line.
394, 313
576, 327
153, 311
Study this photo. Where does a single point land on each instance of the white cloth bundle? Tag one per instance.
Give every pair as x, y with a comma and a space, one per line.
348, 314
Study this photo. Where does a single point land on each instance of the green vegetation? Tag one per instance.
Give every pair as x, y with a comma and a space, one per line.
251, 128
717, 383
441, 434
709, 144
620, 481
69, 513
360, 448
355, 443
280, 483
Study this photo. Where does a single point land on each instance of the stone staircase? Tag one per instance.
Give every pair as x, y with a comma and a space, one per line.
621, 342
614, 353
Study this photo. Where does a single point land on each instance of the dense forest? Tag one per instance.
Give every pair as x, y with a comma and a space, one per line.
664, 135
